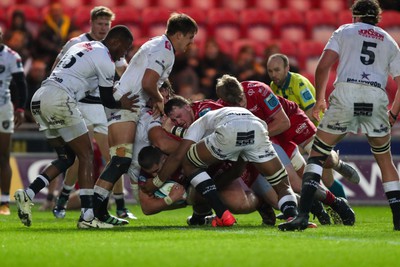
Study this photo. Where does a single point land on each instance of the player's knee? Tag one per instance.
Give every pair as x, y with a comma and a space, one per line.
121, 158
115, 168
297, 161
277, 177
193, 157
65, 158
381, 149
321, 147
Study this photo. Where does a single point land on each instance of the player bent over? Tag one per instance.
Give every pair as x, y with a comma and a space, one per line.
227, 134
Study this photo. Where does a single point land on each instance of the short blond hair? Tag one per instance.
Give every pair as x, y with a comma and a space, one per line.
101, 11
229, 89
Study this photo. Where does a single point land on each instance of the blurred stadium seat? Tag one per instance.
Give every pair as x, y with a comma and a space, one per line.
299, 5
81, 17
154, 21
344, 17
138, 4
36, 3
334, 6
390, 22
130, 17
309, 53
108, 3
289, 24
171, 5
224, 24
270, 5
236, 5
320, 24
256, 24
203, 4
4, 4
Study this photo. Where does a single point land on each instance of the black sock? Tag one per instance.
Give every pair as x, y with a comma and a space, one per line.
98, 205
38, 184
119, 201
208, 190
394, 202
310, 185
289, 209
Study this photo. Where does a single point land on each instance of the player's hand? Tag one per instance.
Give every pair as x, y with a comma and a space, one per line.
130, 102
177, 192
392, 118
158, 109
167, 123
19, 117
148, 187
320, 105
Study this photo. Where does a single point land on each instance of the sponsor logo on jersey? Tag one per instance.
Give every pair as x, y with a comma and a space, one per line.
168, 45
203, 112
271, 101
365, 76
6, 124
306, 95
370, 83
250, 92
337, 127
382, 129
370, 33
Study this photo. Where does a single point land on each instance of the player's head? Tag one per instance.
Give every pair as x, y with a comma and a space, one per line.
118, 41
278, 68
181, 30
178, 109
151, 159
367, 11
100, 22
230, 90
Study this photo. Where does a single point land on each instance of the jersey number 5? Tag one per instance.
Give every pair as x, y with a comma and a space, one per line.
367, 55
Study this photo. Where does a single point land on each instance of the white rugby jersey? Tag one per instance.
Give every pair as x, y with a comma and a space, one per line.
83, 68
367, 54
85, 37
156, 54
10, 62
145, 124
207, 124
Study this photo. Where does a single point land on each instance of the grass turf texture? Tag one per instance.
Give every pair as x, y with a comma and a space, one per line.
165, 240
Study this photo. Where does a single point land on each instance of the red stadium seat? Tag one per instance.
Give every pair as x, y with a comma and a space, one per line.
223, 24
4, 4
171, 5
236, 5
138, 4
130, 17
345, 17
310, 52
73, 4
334, 6
81, 17
299, 5
108, 3
289, 24
270, 5
390, 22
37, 3
203, 4
154, 21
256, 24
320, 23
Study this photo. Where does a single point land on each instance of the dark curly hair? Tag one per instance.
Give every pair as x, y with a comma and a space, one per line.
368, 10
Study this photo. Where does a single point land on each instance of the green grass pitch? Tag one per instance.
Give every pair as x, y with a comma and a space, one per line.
165, 240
